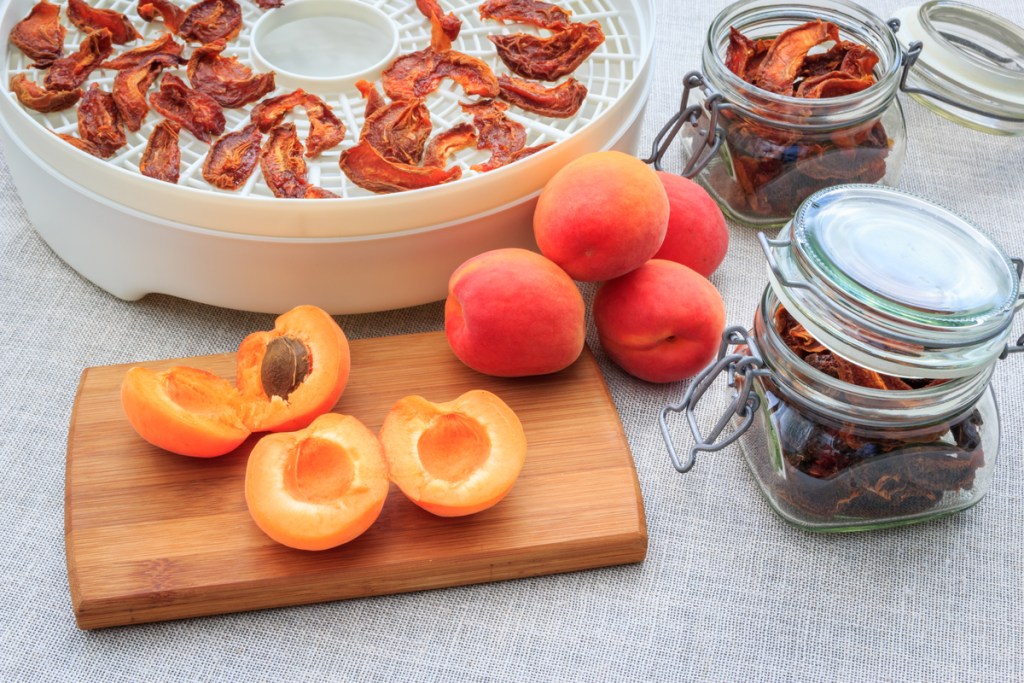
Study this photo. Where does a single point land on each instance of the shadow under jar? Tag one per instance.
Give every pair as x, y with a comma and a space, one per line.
861, 396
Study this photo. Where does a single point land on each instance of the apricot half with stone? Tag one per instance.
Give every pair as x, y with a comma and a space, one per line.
455, 458
184, 410
291, 374
284, 379
318, 487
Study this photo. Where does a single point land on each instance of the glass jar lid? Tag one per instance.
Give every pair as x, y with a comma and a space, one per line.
895, 283
971, 56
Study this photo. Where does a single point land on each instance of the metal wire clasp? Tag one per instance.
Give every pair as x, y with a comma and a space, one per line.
711, 136
745, 402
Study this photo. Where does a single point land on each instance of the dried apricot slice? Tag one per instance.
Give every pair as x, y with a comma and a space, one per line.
40, 35
183, 410
89, 18
319, 487
292, 374
454, 458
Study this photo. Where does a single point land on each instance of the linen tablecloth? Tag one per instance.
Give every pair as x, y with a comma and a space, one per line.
727, 592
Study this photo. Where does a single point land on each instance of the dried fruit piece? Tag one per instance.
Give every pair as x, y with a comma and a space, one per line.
785, 58
559, 102
171, 14
162, 157
131, 86
548, 58
203, 22
366, 168
164, 45
30, 94
89, 18
529, 151
374, 100
399, 130
325, 129
269, 4
496, 133
98, 121
282, 163
420, 73
210, 20
533, 12
67, 73
83, 145
272, 110
444, 144
314, 192
225, 79
232, 158
450, 24
833, 84
40, 35
743, 56
195, 112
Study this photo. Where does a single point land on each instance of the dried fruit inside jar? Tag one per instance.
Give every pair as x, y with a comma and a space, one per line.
830, 472
810, 114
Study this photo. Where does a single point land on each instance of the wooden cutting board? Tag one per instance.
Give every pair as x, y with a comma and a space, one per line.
152, 536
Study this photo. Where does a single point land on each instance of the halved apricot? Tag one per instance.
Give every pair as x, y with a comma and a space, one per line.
293, 373
455, 458
184, 410
285, 379
318, 487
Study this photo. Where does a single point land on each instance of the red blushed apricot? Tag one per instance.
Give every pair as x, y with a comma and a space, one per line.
318, 487
183, 410
456, 458
513, 313
601, 216
293, 373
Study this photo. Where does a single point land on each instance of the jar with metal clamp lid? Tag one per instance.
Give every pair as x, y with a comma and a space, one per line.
762, 130
861, 396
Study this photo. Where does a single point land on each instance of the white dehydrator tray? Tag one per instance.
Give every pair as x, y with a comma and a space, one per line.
132, 235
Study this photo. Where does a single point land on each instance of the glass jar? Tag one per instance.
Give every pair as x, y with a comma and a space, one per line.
778, 149
760, 153
861, 396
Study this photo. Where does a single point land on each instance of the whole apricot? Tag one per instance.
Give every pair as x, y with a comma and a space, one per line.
453, 458
512, 313
661, 322
601, 216
697, 235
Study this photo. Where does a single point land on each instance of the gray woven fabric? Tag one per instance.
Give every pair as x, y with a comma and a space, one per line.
728, 591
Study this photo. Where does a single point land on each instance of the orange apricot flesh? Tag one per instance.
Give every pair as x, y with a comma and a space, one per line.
319, 487
454, 458
293, 373
183, 410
